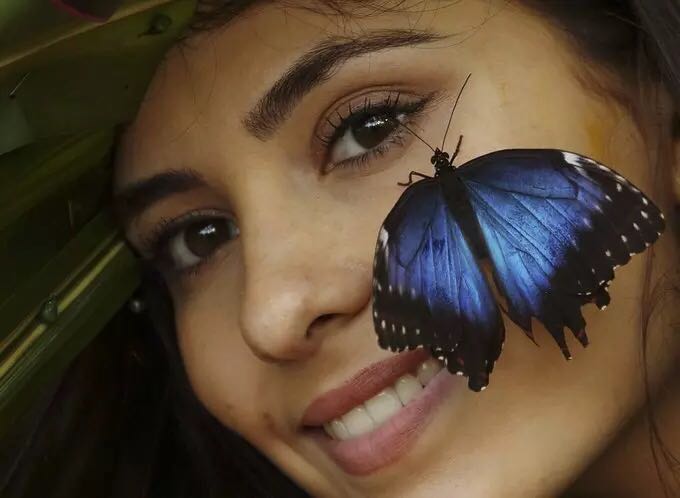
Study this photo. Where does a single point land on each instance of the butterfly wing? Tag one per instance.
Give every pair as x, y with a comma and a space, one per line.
556, 225
428, 289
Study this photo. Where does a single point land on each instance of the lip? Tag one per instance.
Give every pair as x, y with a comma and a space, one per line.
363, 386
366, 454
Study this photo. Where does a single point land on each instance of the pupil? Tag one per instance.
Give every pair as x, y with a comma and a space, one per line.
374, 130
204, 237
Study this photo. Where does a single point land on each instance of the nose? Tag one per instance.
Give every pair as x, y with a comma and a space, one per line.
302, 282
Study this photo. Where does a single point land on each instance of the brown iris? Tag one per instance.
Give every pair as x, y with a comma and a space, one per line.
204, 237
372, 131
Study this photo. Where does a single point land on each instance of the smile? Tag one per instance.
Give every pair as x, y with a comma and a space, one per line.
373, 419
372, 413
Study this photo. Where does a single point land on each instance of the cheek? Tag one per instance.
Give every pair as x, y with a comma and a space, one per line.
502, 111
218, 364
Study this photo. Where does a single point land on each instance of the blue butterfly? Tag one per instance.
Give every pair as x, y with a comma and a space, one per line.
553, 226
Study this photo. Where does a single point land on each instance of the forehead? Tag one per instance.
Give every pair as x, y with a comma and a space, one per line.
204, 88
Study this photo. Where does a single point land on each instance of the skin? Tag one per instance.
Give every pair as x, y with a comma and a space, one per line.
283, 313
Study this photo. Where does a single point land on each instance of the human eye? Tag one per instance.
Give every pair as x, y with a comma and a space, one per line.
368, 127
183, 245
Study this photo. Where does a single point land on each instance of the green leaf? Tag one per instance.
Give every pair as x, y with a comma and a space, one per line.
30, 175
48, 192
96, 10
27, 297
77, 76
36, 352
65, 85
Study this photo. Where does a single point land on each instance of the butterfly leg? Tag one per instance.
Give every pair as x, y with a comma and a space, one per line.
460, 141
410, 178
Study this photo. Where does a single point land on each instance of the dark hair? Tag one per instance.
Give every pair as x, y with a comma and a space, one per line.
161, 441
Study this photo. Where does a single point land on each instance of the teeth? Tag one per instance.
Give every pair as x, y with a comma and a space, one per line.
427, 370
336, 429
407, 387
367, 416
383, 405
358, 421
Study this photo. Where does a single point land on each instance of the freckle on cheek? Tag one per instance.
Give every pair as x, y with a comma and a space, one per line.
268, 422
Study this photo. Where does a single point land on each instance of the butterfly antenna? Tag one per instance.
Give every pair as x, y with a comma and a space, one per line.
454, 108
415, 135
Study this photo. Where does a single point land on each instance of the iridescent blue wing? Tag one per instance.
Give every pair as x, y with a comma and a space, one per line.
428, 289
556, 226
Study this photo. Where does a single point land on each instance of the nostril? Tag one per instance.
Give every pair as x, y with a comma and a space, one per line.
319, 322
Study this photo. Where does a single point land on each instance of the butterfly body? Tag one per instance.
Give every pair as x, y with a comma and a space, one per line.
456, 196
553, 225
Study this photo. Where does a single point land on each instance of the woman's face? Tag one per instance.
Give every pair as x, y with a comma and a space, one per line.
266, 238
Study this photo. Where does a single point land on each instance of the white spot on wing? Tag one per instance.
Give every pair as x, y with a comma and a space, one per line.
635, 226
571, 158
383, 236
382, 325
619, 188
644, 214
644, 201
624, 238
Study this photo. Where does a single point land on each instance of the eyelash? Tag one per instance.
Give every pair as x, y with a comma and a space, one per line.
389, 106
156, 244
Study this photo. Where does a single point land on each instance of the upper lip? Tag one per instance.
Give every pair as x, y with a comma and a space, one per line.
364, 385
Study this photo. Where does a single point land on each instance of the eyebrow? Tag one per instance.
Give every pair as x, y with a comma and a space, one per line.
133, 199
317, 66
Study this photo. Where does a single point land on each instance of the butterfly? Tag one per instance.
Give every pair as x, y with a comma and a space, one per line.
551, 226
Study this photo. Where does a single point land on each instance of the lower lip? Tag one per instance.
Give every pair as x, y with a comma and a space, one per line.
365, 454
